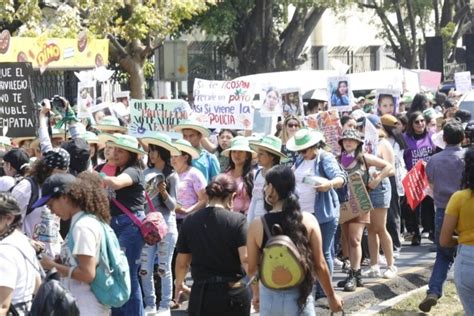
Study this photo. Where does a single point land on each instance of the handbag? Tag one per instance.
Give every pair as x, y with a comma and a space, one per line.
153, 227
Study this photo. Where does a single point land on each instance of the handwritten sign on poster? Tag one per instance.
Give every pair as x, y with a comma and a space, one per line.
17, 110
463, 81
157, 116
224, 104
327, 122
359, 201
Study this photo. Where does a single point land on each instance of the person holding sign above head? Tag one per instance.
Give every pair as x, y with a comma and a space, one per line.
271, 104
206, 162
386, 104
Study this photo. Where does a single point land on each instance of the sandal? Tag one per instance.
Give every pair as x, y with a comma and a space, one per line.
174, 305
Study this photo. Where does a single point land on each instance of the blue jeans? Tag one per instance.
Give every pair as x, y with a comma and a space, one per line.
283, 303
444, 258
464, 278
131, 241
164, 249
328, 231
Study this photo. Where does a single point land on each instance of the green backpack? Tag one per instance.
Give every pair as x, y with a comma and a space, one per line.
281, 267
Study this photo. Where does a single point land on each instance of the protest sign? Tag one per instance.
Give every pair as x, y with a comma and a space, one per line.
387, 101
371, 138
429, 80
327, 122
18, 113
272, 102
359, 201
463, 81
292, 103
157, 116
416, 184
339, 93
86, 93
223, 104
101, 110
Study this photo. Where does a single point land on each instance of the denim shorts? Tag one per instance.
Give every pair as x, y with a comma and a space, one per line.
382, 194
284, 302
464, 278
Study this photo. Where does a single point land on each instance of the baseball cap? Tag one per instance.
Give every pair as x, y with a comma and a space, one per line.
389, 120
17, 158
374, 119
56, 184
78, 150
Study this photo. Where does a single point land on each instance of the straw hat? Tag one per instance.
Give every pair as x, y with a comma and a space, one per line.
90, 138
110, 123
106, 137
350, 134
161, 140
190, 124
269, 143
128, 143
186, 147
6, 142
303, 139
239, 143
18, 140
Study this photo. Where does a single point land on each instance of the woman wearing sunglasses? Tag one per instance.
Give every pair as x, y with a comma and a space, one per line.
419, 147
291, 125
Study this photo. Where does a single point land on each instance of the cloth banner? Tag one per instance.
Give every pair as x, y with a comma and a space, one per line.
18, 113
359, 201
416, 184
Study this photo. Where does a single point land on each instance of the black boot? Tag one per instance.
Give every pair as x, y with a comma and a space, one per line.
358, 277
351, 282
342, 283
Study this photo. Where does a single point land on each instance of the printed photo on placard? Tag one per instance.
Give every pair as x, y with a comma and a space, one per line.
86, 94
291, 102
271, 105
99, 111
387, 101
340, 93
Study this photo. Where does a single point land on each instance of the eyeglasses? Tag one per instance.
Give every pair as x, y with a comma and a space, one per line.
419, 121
293, 125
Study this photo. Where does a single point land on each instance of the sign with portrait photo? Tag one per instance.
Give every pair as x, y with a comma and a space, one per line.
101, 110
271, 104
86, 93
291, 102
339, 93
387, 101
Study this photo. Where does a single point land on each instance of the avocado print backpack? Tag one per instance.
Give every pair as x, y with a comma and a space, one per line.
281, 267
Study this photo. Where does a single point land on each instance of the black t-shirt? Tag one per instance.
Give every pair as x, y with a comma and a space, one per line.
272, 219
212, 236
132, 197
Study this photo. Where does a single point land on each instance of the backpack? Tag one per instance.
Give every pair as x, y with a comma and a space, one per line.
281, 266
342, 192
111, 285
34, 196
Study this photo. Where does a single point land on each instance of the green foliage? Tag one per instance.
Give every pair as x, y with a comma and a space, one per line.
447, 35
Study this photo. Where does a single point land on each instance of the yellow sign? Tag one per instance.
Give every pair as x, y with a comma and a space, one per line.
55, 53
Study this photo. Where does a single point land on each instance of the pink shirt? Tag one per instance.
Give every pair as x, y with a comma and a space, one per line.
190, 183
242, 199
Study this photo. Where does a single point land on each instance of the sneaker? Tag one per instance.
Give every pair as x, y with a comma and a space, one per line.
365, 262
382, 260
338, 263
425, 235
429, 301
150, 310
416, 241
373, 272
390, 273
396, 254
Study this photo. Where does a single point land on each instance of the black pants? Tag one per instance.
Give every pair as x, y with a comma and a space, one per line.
393, 216
423, 214
218, 299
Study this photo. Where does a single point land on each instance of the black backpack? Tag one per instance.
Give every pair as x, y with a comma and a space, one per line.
35, 191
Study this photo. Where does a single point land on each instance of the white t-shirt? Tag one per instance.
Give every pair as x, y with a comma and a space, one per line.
87, 235
16, 272
6, 183
306, 192
256, 207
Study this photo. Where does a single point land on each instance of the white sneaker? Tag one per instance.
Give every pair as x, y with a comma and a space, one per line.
382, 260
390, 273
396, 254
373, 272
150, 310
162, 311
338, 263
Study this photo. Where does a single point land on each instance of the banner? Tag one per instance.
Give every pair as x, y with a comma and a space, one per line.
329, 123
18, 114
54, 53
416, 184
224, 104
463, 81
157, 116
359, 200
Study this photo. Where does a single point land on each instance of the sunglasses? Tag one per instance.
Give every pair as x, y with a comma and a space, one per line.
419, 121
293, 125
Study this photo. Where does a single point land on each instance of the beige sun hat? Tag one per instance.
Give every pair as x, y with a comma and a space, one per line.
303, 139
190, 124
239, 143
161, 140
128, 143
269, 143
186, 147
110, 123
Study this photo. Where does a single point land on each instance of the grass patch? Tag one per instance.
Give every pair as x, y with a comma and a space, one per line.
449, 304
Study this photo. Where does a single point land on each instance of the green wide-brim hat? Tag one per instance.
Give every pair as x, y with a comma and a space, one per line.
110, 123
106, 137
190, 124
90, 137
6, 142
239, 143
303, 139
269, 143
186, 147
128, 143
161, 140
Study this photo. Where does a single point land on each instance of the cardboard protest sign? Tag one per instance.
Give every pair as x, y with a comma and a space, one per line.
340, 93
327, 122
157, 116
359, 200
371, 138
292, 103
387, 101
463, 81
18, 113
416, 184
223, 104
86, 93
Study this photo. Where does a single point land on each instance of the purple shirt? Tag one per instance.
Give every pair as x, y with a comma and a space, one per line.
418, 149
444, 171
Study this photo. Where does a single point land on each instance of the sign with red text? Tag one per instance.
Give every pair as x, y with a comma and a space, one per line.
416, 184
224, 104
157, 116
327, 122
359, 201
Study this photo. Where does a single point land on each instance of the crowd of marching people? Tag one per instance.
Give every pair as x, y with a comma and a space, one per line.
255, 219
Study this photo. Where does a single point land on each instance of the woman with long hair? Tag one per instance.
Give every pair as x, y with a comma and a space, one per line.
108, 166
161, 186
126, 190
419, 147
459, 220
340, 95
83, 201
212, 241
290, 126
302, 228
419, 104
223, 142
16, 164
240, 169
